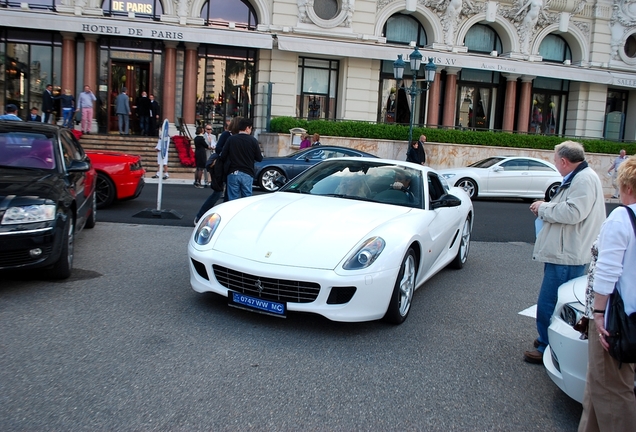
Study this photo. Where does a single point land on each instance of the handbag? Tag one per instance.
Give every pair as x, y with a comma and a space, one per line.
620, 326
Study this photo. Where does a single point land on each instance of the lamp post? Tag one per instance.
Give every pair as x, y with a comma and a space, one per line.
429, 75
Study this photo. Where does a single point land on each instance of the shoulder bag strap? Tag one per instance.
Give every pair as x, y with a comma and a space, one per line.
632, 216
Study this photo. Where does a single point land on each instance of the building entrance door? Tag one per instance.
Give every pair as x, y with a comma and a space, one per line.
136, 78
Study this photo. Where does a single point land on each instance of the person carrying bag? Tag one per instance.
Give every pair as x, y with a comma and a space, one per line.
609, 403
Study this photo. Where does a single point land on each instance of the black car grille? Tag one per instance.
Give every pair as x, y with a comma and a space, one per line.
20, 258
266, 288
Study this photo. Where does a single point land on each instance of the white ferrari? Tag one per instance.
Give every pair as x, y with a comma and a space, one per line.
350, 239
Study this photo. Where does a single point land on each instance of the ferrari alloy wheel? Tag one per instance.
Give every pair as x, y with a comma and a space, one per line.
469, 186
62, 268
267, 178
551, 191
402, 296
105, 191
464, 246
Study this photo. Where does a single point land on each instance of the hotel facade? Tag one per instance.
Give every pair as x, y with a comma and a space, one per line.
533, 66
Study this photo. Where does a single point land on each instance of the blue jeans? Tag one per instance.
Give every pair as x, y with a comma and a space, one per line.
68, 117
239, 185
123, 121
554, 275
144, 123
209, 203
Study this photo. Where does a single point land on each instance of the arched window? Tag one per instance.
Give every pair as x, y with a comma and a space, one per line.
141, 8
403, 29
482, 39
222, 12
555, 49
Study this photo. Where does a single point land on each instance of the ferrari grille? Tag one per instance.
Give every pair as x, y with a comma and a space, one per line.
280, 290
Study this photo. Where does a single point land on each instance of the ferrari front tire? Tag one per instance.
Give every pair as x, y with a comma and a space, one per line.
400, 303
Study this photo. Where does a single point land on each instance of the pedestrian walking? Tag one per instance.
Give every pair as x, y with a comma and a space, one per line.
421, 150
155, 115
567, 227
85, 103
210, 140
67, 102
47, 103
200, 156
613, 171
413, 154
122, 109
242, 151
143, 108
315, 139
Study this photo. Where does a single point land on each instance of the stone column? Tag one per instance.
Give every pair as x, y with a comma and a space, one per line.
451, 94
190, 83
432, 112
525, 101
90, 71
68, 63
169, 80
509, 104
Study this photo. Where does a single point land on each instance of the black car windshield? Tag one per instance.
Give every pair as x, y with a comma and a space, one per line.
486, 163
27, 150
361, 180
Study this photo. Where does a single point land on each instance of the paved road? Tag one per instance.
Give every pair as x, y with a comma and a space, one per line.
495, 220
127, 345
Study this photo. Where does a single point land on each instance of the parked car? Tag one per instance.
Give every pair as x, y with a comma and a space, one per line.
270, 168
565, 359
119, 176
343, 240
506, 176
47, 195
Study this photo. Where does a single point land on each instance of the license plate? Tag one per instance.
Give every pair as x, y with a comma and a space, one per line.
256, 304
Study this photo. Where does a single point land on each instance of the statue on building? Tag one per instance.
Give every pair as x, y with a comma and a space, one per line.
451, 17
622, 23
183, 8
533, 9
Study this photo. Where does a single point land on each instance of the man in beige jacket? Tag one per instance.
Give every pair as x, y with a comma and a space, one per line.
570, 223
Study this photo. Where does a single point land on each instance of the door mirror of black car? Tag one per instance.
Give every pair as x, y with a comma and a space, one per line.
280, 181
79, 166
447, 200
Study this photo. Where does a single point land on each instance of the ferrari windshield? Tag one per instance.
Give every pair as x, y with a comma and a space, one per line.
361, 180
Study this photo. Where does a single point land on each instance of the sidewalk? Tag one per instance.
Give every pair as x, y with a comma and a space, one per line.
176, 178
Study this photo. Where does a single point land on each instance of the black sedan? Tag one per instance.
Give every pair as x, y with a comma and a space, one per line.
47, 195
269, 169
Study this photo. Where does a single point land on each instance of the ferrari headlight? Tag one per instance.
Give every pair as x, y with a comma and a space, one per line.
29, 214
570, 315
366, 254
207, 227
448, 176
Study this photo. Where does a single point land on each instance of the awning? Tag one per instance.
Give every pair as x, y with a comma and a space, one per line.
137, 29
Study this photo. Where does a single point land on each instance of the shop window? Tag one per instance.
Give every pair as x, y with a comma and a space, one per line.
473, 109
317, 88
33, 4
394, 105
555, 49
141, 8
615, 111
226, 85
481, 38
220, 13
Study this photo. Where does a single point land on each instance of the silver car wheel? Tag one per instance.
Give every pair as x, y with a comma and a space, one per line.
268, 176
469, 186
407, 285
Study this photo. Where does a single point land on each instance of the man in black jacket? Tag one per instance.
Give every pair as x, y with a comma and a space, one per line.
143, 111
155, 116
241, 151
47, 103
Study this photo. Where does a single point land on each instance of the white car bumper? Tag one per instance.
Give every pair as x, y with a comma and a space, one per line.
372, 289
565, 359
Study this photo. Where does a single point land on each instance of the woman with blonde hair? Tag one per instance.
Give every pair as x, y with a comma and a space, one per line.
67, 101
608, 402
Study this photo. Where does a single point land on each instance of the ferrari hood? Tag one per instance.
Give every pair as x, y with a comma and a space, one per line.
301, 230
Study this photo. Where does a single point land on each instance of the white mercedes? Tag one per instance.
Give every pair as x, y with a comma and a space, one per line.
350, 239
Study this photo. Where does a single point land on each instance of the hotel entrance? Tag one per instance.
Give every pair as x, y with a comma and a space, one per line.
136, 78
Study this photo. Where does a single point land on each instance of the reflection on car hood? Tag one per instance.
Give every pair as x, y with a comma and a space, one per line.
578, 288
26, 182
301, 230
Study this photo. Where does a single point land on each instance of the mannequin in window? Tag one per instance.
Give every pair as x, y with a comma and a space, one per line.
402, 112
390, 107
314, 109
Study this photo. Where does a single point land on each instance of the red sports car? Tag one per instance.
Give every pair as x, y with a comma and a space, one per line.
119, 176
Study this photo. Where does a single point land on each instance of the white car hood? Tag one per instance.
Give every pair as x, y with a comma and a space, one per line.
301, 230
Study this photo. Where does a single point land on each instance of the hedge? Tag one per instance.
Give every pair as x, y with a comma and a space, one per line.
396, 132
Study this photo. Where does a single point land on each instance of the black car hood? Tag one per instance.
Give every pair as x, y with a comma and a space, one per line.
27, 186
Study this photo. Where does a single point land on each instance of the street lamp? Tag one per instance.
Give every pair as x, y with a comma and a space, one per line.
429, 75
